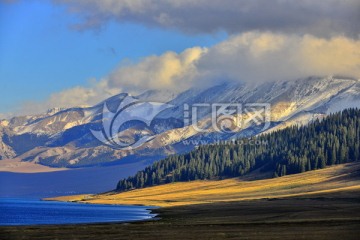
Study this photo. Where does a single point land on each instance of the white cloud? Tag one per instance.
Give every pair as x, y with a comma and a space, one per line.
168, 71
258, 56
252, 56
319, 18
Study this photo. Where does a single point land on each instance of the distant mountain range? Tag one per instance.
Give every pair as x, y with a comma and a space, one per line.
64, 138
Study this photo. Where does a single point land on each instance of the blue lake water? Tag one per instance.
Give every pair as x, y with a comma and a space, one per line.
37, 212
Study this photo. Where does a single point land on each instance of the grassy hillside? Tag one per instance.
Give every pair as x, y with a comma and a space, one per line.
330, 141
336, 179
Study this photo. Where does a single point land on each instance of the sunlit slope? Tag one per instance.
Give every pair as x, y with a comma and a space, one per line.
341, 178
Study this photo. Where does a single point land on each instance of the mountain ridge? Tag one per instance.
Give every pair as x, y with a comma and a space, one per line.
62, 138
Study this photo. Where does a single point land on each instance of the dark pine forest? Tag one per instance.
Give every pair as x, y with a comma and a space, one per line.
332, 140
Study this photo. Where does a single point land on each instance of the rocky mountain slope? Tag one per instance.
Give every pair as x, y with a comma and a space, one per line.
65, 137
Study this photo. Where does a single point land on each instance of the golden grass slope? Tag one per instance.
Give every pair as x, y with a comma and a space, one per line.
338, 178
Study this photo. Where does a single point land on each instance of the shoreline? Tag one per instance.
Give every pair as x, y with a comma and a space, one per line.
84, 224
80, 201
151, 210
16, 165
324, 216
15, 215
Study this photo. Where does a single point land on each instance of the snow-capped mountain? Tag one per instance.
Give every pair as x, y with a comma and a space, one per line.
63, 137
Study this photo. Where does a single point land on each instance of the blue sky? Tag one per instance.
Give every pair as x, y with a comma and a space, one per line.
61, 53
40, 54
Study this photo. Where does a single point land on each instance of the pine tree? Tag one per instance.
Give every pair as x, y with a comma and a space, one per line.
333, 140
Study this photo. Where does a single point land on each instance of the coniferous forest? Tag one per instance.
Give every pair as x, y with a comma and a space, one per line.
332, 140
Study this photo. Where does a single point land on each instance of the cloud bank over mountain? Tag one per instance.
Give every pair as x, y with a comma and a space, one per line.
266, 56
249, 57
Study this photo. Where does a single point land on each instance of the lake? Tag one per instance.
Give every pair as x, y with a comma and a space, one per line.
36, 212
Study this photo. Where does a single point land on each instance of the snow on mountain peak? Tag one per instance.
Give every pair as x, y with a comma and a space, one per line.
43, 137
